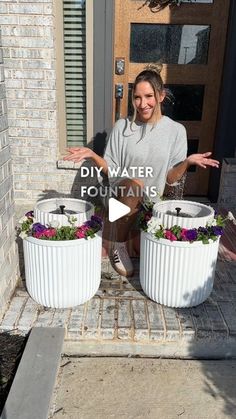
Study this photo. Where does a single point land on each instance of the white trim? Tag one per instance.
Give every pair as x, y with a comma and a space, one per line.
89, 69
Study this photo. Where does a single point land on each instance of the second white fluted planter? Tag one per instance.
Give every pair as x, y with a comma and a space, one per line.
177, 274
61, 274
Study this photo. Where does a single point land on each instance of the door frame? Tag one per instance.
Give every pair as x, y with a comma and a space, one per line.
103, 87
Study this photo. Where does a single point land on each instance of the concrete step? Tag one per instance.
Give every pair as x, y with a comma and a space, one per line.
31, 391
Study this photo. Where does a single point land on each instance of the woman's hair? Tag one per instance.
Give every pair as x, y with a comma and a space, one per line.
151, 74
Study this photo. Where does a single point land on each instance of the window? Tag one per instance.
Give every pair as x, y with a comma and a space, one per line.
169, 44
75, 68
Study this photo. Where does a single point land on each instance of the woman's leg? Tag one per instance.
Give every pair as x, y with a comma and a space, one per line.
131, 195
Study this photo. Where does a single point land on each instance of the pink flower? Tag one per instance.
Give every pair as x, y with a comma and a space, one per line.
80, 234
84, 228
170, 236
38, 234
183, 233
49, 232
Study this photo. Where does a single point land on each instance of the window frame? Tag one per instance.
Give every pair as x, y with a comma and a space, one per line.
61, 100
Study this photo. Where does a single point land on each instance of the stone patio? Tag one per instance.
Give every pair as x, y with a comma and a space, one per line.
121, 320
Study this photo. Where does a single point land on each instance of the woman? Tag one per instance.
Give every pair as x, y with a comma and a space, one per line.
148, 141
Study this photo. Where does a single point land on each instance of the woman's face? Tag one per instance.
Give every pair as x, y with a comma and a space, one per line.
147, 106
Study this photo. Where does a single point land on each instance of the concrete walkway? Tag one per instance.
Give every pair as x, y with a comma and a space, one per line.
121, 388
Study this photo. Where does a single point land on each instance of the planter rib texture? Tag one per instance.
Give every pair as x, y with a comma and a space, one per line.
61, 274
177, 274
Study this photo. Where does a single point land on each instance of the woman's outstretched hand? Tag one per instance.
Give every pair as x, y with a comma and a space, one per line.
202, 160
78, 154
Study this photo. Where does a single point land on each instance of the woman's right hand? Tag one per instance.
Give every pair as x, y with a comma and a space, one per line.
78, 154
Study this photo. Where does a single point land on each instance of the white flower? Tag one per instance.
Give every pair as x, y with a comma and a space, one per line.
211, 223
231, 217
23, 234
54, 224
153, 225
71, 219
23, 220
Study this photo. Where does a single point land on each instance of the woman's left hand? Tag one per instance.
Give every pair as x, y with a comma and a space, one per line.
202, 160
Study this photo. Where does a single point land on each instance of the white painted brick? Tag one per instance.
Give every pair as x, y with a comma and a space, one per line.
17, 122
32, 54
3, 8
35, 1
24, 8
27, 42
27, 74
31, 113
14, 84
76, 321
40, 84
48, 9
13, 313
16, 104
34, 123
7, 20
28, 315
36, 20
37, 64
2, 75
91, 323
38, 104
13, 63
61, 318
45, 318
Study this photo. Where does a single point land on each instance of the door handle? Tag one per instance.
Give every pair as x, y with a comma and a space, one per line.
119, 90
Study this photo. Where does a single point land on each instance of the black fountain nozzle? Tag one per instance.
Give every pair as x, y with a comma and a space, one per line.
62, 208
177, 211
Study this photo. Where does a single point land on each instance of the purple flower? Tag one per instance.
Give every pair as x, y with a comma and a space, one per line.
97, 219
30, 214
203, 230
191, 235
217, 231
95, 222
38, 228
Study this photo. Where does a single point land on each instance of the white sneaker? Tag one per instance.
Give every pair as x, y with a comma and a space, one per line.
120, 259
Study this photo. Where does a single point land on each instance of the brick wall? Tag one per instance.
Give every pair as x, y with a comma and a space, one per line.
8, 250
28, 38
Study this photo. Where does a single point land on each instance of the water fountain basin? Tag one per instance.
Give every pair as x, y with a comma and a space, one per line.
49, 210
186, 214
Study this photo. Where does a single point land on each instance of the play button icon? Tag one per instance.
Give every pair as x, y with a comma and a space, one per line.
116, 210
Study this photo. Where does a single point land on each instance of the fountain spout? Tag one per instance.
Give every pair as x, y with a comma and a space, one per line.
62, 209
177, 211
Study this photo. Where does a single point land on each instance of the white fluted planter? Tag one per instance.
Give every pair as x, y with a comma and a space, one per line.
61, 274
177, 274
44, 211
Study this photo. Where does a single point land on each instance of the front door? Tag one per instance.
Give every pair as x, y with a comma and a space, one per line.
190, 41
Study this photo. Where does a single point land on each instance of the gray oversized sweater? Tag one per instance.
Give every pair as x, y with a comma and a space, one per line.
145, 151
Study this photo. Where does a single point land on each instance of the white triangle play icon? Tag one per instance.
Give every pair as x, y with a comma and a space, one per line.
116, 210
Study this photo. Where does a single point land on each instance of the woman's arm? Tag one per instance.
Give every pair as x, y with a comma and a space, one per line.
201, 160
78, 154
